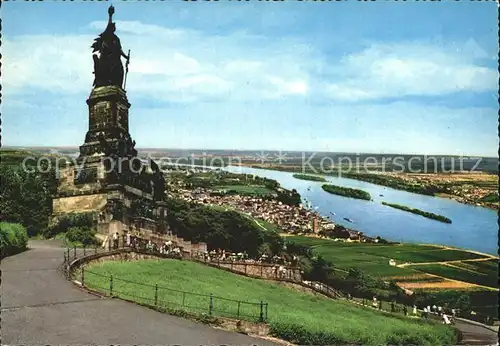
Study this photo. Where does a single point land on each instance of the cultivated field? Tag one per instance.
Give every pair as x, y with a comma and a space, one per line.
297, 316
421, 263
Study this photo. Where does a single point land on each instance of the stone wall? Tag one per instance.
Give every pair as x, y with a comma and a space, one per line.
260, 270
66, 185
77, 204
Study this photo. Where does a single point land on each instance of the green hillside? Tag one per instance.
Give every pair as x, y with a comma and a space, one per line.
299, 317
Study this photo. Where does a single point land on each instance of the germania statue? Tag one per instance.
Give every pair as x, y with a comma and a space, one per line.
108, 68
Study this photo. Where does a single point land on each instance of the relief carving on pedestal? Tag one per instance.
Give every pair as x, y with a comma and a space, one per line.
101, 115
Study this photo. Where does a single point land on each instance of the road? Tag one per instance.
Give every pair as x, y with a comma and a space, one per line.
39, 307
475, 334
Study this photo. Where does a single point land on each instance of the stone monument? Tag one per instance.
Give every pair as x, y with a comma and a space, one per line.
109, 179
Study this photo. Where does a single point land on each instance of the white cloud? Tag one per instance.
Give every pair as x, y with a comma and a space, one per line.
408, 69
183, 65
174, 65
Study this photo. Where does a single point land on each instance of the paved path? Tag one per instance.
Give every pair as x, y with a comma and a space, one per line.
40, 307
476, 335
473, 333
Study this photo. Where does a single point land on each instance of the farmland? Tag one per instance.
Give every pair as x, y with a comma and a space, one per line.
442, 272
412, 260
313, 319
455, 272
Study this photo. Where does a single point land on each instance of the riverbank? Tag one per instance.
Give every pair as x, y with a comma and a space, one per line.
472, 188
419, 212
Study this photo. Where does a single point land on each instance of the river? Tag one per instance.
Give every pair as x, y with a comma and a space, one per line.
472, 227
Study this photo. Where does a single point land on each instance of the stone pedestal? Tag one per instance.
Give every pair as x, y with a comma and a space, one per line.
108, 114
109, 180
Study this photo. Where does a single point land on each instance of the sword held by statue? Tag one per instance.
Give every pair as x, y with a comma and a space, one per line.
126, 70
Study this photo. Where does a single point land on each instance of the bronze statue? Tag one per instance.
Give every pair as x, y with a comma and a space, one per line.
108, 68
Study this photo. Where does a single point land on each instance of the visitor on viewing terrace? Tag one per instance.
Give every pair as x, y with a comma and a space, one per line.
424, 314
405, 310
415, 310
115, 240
128, 239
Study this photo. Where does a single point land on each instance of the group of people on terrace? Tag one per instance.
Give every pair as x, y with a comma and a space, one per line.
447, 315
223, 255
129, 240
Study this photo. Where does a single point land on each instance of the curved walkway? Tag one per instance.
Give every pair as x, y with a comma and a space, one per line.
40, 307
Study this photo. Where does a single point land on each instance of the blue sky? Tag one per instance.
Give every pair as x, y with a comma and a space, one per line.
381, 77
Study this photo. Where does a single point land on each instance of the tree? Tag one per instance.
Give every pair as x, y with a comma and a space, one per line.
464, 304
26, 197
229, 230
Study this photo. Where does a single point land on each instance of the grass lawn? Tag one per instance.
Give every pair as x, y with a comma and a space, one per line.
250, 190
299, 317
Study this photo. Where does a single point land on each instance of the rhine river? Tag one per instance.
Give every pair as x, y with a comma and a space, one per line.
472, 227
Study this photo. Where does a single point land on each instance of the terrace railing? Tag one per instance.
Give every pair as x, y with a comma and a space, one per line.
158, 296
169, 298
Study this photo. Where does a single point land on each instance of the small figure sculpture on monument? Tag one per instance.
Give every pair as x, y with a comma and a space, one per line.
158, 182
108, 68
110, 162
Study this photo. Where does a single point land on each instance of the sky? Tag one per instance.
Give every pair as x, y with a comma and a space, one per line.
376, 77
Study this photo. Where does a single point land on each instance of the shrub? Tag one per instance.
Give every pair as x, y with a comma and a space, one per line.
83, 235
303, 336
63, 224
13, 238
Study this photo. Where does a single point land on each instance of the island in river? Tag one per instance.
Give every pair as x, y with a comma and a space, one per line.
419, 212
475, 188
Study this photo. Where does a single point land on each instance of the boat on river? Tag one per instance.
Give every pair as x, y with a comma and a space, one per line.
348, 220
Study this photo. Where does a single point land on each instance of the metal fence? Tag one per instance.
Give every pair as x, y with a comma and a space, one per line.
159, 296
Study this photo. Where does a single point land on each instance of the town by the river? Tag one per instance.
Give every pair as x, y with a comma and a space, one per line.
473, 228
